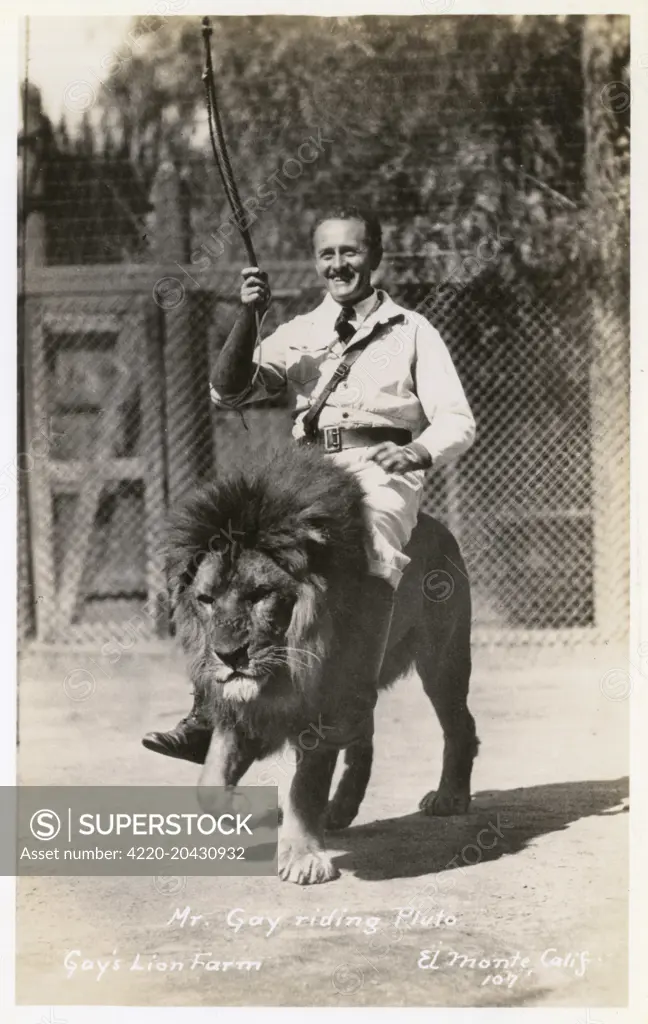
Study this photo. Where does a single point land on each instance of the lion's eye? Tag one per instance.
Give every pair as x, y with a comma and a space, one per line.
205, 598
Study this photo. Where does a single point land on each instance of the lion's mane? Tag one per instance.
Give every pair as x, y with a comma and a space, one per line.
306, 513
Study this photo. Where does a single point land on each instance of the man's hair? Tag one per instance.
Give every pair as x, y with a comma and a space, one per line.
343, 212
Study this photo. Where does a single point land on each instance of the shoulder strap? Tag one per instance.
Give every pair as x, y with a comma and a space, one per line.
310, 418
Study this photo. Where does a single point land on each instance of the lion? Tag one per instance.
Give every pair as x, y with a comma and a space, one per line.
267, 570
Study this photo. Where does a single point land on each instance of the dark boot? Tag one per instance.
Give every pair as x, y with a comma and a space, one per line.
189, 740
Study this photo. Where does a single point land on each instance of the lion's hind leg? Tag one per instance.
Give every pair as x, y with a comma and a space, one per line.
445, 673
351, 788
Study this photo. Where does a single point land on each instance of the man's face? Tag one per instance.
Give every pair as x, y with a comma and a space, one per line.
344, 259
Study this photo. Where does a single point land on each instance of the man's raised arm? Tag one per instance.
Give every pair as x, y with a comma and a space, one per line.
235, 364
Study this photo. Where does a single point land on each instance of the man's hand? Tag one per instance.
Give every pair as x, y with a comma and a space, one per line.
234, 365
395, 458
255, 290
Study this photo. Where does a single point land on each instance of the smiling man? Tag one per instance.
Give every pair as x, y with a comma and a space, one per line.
394, 408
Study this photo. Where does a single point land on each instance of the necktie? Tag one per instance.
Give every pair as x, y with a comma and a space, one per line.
343, 328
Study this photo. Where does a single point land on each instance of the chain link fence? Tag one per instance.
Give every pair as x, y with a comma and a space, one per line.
539, 503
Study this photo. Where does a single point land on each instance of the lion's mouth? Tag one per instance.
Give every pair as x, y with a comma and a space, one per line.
222, 674
245, 683
236, 684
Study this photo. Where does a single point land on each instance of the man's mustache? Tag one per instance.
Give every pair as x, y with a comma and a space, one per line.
344, 274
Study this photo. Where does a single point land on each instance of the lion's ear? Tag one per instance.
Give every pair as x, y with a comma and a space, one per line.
311, 526
180, 578
315, 536
178, 584
181, 574
303, 552
314, 542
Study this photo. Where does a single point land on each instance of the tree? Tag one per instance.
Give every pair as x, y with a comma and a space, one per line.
448, 126
606, 73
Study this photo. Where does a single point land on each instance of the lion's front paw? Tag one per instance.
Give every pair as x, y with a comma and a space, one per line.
304, 866
444, 803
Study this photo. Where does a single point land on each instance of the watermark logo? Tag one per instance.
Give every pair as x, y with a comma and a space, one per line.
168, 293
438, 585
347, 979
615, 97
79, 684
616, 685
170, 885
79, 96
44, 824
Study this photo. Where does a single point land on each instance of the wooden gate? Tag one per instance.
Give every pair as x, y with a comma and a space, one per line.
94, 406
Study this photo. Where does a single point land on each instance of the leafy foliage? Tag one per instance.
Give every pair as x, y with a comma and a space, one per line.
451, 128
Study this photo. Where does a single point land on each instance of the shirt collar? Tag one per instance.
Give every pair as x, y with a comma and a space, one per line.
362, 309
386, 311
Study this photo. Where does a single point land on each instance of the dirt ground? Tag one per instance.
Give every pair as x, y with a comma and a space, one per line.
536, 872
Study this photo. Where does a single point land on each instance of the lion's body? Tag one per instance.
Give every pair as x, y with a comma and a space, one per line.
268, 571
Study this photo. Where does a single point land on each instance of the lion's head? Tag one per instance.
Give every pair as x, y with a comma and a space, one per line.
263, 567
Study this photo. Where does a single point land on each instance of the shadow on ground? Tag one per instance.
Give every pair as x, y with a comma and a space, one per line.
500, 823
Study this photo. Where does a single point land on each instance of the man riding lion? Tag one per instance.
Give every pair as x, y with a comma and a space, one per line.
374, 390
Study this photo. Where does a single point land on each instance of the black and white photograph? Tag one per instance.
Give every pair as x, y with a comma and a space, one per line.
323, 507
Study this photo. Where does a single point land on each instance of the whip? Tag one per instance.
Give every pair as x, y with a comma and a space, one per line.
219, 146
224, 165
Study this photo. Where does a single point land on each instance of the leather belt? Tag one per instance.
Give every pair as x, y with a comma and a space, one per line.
335, 439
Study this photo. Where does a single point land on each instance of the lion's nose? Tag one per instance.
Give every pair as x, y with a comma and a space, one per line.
234, 659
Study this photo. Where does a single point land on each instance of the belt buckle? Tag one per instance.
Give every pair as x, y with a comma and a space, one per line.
332, 439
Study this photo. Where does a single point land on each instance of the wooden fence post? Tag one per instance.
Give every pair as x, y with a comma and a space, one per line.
188, 418
32, 254
25, 610
38, 495
605, 179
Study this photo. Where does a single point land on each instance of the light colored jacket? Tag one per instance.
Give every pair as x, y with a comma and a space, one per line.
405, 377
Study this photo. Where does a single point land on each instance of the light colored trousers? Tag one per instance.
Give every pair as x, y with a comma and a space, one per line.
392, 502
